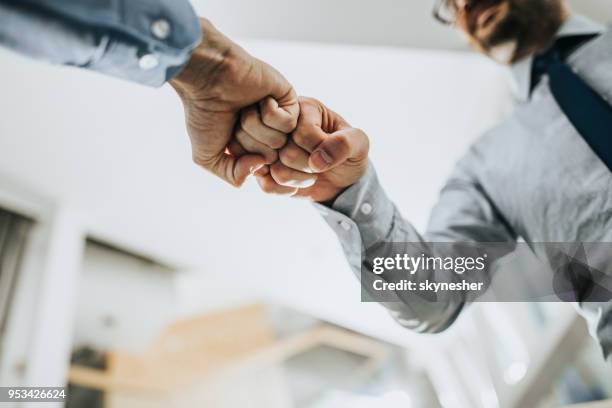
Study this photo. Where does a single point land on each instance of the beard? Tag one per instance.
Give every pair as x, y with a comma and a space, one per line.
528, 26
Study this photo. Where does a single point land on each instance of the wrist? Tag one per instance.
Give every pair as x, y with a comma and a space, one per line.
206, 62
330, 195
330, 199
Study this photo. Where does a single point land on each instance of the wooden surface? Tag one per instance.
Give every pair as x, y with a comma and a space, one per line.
184, 353
221, 359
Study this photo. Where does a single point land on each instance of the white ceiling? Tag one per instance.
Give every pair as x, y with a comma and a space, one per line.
366, 22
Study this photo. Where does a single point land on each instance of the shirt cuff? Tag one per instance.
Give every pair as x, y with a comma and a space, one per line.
153, 44
140, 64
363, 209
148, 42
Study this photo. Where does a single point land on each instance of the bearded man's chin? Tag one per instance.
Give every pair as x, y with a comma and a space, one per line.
505, 52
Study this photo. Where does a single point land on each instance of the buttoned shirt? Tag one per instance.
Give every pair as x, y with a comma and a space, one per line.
142, 41
532, 177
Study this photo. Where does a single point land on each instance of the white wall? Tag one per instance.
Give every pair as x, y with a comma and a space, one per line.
118, 152
123, 301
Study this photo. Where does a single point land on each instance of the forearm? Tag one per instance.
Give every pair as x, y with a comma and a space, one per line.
369, 226
364, 219
148, 43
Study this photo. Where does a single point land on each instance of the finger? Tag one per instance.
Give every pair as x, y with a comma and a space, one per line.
269, 186
251, 123
287, 177
286, 98
308, 137
295, 157
264, 171
250, 144
236, 170
339, 147
283, 119
309, 133
235, 149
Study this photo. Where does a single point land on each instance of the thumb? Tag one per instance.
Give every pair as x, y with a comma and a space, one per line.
236, 170
337, 148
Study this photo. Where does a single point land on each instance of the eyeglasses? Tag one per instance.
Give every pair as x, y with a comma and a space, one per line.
445, 11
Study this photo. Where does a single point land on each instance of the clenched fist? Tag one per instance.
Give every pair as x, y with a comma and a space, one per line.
219, 81
323, 157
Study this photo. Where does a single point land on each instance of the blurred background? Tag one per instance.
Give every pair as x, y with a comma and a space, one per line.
144, 282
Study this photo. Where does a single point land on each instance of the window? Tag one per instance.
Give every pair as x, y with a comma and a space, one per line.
14, 231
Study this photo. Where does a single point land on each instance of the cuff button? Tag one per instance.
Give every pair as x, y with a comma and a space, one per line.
345, 225
366, 208
161, 29
148, 62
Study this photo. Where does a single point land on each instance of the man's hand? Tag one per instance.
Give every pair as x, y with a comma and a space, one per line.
219, 81
324, 156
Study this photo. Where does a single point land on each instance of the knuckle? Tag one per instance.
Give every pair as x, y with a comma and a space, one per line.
283, 122
269, 117
291, 122
288, 155
366, 140
343, 143
295, 119
248, 119
300, 137
277, 141
267, 186
270, 155
361, 134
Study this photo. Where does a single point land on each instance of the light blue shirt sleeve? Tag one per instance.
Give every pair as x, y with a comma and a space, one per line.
144, 41
364, 218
